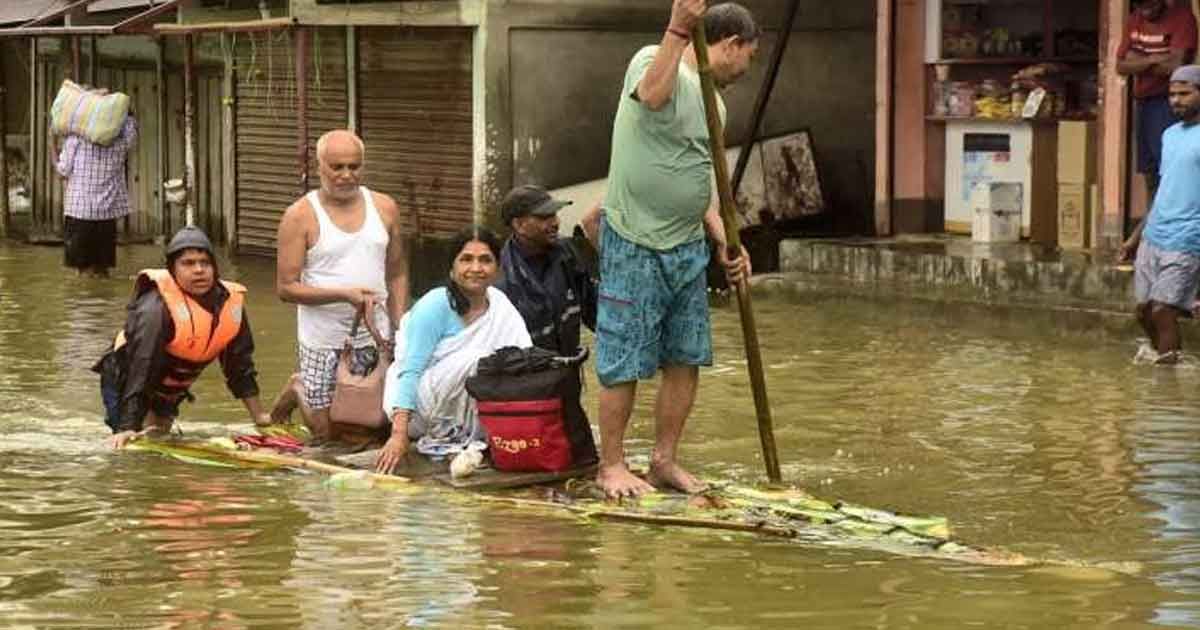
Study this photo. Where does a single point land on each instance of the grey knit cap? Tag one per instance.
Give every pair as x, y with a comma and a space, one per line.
1186, 74
190, 237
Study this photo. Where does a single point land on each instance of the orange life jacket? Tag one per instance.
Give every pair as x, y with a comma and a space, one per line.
196, 342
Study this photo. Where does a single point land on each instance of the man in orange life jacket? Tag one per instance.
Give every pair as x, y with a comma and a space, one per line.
180, 319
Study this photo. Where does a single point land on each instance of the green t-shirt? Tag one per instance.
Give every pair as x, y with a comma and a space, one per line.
660, 175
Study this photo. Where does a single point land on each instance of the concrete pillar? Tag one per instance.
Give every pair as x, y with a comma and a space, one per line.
883, 116
1108, 228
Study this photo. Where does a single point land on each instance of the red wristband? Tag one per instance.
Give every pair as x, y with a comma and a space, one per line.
680, 33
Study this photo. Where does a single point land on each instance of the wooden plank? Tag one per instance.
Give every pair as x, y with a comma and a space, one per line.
34, 187
303, 43
57, 185
38, 139
352, 79
201, 165
189, 126
160, 136
883, 117
44, 222
223, 27
142, 91
1043, 202
122, 81
93, 59
175, 140
490, 479
149, 149
215, 149
228, 145
413, 13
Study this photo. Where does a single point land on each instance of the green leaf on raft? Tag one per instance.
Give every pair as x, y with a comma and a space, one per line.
288, 429
202, 454
932, 526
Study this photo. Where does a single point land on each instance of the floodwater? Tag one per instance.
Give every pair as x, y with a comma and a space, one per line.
1031, 436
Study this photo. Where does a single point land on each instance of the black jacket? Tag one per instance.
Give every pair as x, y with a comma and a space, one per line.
138, 367
555, 295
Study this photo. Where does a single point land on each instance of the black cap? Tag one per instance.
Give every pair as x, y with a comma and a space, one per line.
190, 237
527, 200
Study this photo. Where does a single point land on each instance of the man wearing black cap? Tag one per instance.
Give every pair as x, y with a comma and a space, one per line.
180, 319
545, 280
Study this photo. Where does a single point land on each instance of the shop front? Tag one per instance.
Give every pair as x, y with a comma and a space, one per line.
1004, 121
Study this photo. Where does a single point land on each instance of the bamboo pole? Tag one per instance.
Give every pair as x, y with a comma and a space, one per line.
36, 135
189, 126
76, 64
229, 143
303, 43
885, 40
716, 139
94, 62
162, 168
352, 79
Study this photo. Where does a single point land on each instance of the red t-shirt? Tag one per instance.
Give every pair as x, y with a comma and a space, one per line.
1175, 29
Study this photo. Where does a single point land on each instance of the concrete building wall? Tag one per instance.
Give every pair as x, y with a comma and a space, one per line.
556, 74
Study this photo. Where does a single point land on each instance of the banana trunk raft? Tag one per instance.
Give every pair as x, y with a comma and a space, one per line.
780, 513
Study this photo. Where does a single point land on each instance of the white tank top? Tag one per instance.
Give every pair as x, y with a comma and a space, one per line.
342, 260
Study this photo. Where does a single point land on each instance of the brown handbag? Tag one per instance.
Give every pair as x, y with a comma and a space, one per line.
358, 400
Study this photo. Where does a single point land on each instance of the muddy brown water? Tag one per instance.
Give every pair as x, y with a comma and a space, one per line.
1033, 437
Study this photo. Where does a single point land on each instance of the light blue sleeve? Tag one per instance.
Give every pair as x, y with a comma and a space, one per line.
429, 322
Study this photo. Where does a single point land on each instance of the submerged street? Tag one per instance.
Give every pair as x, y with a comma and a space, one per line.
1029, 437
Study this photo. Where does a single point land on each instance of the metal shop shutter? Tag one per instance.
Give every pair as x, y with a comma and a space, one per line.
415, 114
268, 177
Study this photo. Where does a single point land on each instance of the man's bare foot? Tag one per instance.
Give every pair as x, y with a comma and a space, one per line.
672, 475
1167, 358
289, 399
618, 483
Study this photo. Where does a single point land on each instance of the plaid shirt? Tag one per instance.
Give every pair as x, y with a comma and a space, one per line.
95, 175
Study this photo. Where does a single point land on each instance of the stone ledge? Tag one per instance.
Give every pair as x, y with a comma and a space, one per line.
955, 269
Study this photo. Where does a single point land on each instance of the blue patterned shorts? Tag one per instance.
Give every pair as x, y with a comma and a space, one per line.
653, 309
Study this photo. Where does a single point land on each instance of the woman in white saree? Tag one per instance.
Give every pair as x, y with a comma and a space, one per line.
438, 344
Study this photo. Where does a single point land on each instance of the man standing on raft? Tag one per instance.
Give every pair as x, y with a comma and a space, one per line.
653, 303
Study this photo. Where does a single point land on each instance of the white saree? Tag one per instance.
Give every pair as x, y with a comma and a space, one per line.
446, 419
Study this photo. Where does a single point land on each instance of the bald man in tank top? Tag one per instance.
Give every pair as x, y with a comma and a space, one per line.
339, 248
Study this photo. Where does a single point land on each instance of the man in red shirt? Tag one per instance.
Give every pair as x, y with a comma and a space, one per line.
1159, 37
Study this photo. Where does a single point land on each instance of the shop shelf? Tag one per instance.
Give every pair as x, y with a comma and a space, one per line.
1012, 61
1036, 121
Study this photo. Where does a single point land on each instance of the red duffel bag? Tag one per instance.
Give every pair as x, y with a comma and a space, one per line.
526, 435
528, 402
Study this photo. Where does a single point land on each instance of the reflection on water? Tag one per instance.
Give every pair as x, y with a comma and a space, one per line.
1028, 434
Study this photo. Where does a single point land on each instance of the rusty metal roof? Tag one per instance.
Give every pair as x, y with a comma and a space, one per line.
142, 21
18, 11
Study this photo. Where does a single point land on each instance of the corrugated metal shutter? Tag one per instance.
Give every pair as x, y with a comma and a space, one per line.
268, 177
415, 111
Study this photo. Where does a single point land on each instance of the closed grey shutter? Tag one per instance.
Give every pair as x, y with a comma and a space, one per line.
415, 102
268, 174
